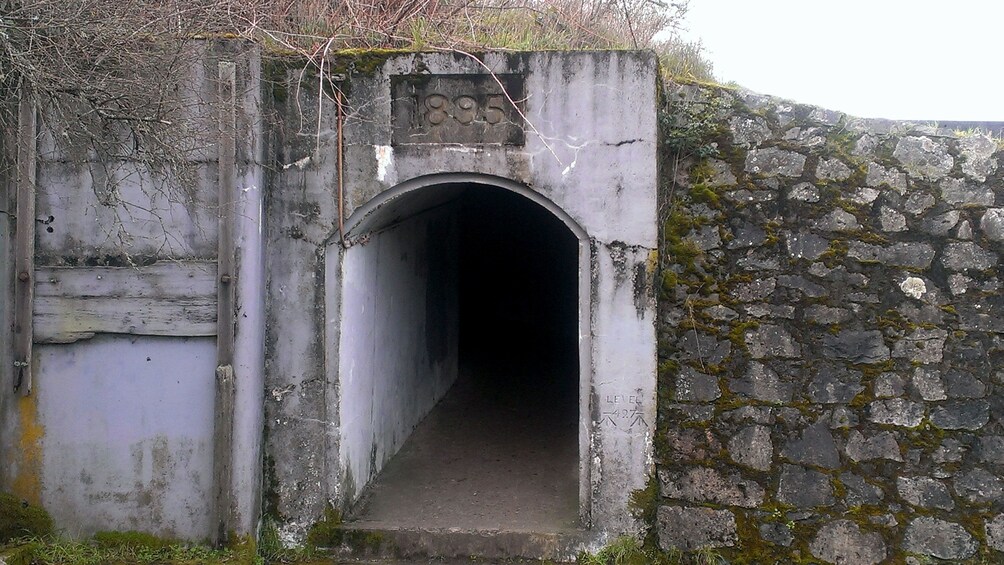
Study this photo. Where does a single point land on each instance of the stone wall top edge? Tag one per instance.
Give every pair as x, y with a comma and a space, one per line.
931, 127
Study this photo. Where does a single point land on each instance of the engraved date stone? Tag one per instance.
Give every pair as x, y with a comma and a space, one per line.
456, 109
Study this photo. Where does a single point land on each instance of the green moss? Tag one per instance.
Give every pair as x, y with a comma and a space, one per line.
892, 319
926, 436
872, 370
867, 236
701, 192
771, 229
327, 532
868, 373
644, 505
270, 496
737, 335
362, 61
835, 253
853, 208
668, 367
18, 519
670, 280
23, 554
684, 253
330, 532
754, 550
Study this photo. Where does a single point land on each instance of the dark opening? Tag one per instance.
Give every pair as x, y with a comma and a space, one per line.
500, 450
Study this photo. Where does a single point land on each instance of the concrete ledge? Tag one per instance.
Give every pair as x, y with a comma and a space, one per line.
376, 542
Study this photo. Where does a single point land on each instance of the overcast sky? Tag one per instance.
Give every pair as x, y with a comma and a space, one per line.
897, 59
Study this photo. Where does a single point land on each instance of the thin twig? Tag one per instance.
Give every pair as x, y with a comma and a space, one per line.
511, 101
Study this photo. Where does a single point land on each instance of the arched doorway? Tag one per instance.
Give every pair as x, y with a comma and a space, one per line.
463, 304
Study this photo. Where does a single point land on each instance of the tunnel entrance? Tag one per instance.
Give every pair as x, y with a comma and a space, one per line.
472, 321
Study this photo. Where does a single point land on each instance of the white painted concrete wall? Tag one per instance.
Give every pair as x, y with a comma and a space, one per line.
590, 157
128, 434
118, 433
398, 350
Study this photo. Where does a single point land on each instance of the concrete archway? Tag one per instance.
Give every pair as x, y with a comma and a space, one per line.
470, 291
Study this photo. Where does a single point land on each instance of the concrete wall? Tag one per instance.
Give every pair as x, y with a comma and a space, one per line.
118, 432
128, 434
830, 335
398, 350
586, 153
591, 162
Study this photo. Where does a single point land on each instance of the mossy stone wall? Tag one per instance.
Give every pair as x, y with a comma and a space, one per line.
830, 335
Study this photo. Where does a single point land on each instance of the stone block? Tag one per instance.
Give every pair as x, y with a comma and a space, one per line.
856, 346
774, 162
805, 245
832, 385
880, 446
760, 382
904, 254
705, 485
810, 289
814, 447
752, 447
928, 384
962, 193
992, 224
977, 152
832, 169
941, 224
842, 541
755, 290
945, 540
966, 255
961, 415
891, 220
924, 492
769, 340
689, 528
860, 491
878, 175
838, 220
921, 345
692, 386
896, 412
804, 488
805, 192
979, 486
749, 131
924, 157
995, 532
777, 534
963, 385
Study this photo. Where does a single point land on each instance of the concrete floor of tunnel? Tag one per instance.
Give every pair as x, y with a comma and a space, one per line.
500, 451
486, 458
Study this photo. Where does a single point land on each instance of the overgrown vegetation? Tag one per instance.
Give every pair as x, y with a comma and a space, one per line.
113, 61
48, 551
19, 519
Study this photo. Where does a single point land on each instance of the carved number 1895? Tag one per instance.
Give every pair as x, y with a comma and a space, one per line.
464, 109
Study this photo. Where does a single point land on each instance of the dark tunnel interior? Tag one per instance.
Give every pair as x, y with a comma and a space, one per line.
518, 296
500, 450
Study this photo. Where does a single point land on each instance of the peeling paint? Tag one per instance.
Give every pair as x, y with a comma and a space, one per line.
385, 162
